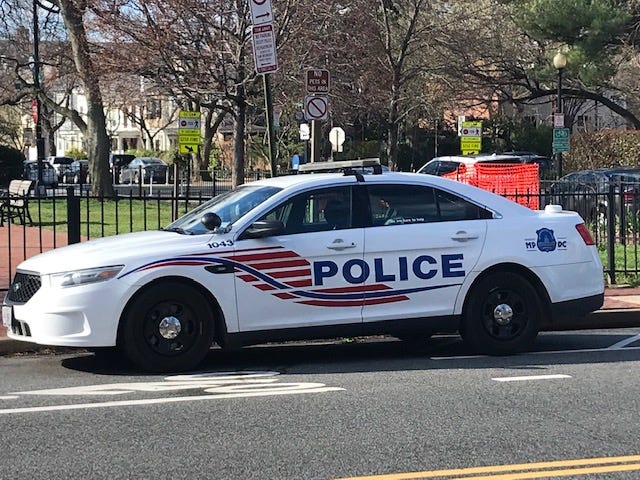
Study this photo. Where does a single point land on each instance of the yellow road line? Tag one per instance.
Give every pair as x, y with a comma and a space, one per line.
596, 465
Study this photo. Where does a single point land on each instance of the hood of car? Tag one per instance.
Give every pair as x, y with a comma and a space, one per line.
131, 250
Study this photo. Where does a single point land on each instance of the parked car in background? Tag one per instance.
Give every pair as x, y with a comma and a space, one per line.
587, 191
49, 175
544, 162
146, 169
440, 166
117, 161
60, 165
78, 172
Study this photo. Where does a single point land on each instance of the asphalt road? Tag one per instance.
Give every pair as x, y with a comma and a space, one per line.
327, 411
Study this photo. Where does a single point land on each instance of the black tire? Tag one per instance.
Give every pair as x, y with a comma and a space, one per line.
502, 314
179, 347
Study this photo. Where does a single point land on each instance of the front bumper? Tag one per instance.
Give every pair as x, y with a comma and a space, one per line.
81, 316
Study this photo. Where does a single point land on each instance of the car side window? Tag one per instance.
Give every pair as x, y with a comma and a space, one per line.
451, 207
401, 204
406, 204
315, 211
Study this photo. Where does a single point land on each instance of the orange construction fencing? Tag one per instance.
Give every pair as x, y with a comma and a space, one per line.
517, 182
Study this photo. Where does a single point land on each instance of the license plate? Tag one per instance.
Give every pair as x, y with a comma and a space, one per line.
7, 315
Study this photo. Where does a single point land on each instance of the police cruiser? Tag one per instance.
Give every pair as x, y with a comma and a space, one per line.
316, 255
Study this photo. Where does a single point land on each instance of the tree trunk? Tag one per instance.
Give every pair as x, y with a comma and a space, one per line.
392, 127
96, 134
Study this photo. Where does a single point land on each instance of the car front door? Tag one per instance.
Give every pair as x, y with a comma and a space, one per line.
421, 244
309, 275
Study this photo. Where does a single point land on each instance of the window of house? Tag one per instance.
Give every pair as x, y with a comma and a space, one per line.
154, 108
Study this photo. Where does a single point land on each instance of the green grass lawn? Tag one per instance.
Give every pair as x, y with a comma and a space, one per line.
109, 217
626, 257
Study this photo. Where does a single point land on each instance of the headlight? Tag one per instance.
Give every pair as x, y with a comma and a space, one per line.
82, 277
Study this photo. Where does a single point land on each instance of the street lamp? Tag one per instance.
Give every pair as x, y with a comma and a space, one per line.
559, 61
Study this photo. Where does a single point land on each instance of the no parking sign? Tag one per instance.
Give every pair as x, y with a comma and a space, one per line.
316, 107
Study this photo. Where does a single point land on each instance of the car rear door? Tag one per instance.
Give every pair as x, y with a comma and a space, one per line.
421, 244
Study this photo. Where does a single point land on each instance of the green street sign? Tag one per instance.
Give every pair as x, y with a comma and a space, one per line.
560, 147
561, 134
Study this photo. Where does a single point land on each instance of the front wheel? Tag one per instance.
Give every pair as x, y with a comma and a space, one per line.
502, 314
168, 327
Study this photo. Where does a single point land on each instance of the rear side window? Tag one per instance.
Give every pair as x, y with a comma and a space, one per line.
406, 204
440, 167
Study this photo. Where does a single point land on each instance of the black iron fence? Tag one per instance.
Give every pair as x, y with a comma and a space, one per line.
72, 214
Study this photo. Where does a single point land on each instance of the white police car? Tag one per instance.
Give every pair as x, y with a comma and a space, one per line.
316, 255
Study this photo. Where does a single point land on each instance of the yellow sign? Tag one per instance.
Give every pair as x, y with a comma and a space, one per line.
188, 132
187, 114
189, 139
470, 143
188, 148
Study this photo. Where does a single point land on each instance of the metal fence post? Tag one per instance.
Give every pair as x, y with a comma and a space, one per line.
174, 200
73, 216
611, 234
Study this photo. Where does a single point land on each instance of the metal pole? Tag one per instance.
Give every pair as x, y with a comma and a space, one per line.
271, 136
38, 110
435, 142
559, 99
313, 143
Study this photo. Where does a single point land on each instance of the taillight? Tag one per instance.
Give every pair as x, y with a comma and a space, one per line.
585, 234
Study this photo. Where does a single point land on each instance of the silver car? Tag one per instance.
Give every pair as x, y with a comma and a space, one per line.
146, 169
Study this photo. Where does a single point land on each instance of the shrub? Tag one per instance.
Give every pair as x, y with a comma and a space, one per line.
604, 148
76, 153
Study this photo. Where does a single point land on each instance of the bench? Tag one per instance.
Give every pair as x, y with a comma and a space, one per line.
15, 203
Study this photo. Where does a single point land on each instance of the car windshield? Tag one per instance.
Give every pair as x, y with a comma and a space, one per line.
229, 207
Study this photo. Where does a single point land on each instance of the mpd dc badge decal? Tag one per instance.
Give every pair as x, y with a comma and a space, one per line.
546, 241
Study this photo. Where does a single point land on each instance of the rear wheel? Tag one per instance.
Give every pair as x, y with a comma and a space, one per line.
502, 315
168, 327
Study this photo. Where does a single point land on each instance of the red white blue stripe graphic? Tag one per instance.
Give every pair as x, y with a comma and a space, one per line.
288, 276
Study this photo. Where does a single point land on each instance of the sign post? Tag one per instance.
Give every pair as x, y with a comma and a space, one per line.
336, 137
264, 56
316, 107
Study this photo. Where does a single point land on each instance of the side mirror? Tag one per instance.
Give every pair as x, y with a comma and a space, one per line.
211, 220
264, 228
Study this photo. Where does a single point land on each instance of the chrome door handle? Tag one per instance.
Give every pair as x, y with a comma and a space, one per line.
463, 236
339, 244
